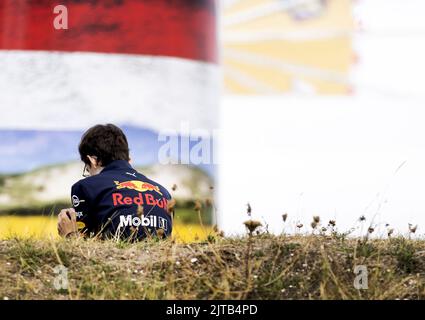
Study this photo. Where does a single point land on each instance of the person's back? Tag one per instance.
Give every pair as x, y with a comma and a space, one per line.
121, 202
114, 200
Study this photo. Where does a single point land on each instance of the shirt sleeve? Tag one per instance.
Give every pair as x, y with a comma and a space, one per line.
80, 203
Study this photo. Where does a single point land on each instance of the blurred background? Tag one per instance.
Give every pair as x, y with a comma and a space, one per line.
319, 105
323, 113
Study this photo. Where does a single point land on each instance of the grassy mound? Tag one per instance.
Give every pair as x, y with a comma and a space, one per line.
253, 267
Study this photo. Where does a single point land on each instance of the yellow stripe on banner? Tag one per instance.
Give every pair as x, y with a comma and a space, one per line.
45, 227
267, 46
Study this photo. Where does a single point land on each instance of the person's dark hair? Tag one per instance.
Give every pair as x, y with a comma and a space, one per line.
106, 142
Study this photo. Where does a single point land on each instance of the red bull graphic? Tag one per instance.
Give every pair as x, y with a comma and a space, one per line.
138, 186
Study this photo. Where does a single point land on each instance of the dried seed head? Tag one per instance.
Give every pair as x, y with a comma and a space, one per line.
314, 225
174, 187
217, 231
316, 219
390, 232
160, 233
362, 218
412, 228
370, 230
171, 205
332, 223
198, 205
208, 202
299, 225
324, 229
140, 211
284, 217
248, 209
251, 225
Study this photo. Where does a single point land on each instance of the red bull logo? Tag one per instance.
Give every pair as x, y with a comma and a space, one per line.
138, 186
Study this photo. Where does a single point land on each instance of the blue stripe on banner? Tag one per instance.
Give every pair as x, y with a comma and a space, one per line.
26, 150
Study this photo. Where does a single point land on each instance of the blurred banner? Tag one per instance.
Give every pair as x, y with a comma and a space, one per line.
332, 98
283, 46
147, 66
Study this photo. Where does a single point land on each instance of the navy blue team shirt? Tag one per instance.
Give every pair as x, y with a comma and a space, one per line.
121, 202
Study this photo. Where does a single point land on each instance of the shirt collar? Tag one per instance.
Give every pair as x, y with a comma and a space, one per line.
117, 164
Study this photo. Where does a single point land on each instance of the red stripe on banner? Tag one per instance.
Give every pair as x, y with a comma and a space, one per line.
178, 28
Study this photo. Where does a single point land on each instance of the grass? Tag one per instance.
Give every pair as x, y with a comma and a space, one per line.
199, 262
259, 266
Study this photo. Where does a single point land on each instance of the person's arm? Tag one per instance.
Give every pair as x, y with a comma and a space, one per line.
67, 223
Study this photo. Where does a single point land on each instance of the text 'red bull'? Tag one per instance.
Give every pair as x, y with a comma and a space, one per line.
140, 199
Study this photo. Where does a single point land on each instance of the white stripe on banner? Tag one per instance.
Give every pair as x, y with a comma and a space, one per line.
50, 90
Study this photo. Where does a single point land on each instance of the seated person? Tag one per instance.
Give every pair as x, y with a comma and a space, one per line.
114, 200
